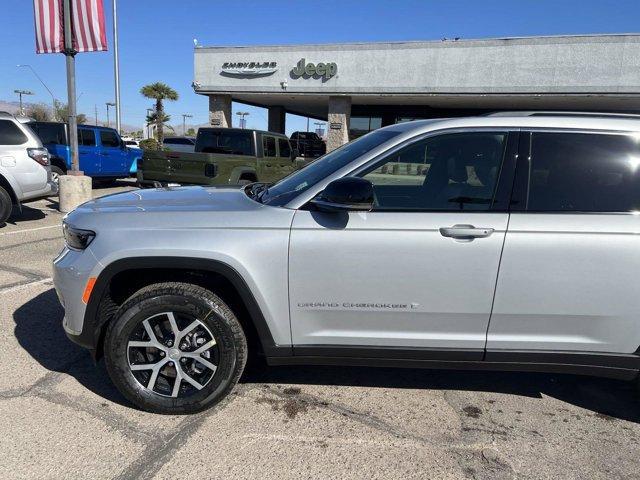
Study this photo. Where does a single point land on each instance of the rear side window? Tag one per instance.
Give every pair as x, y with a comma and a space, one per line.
108, 138
50, 133
269, 146
86, 137
227, 141
10, 134
285, 148
582, 172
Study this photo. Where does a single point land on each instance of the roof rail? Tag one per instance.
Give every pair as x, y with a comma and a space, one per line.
557, 113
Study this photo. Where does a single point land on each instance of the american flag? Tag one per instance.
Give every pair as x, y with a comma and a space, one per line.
87, 20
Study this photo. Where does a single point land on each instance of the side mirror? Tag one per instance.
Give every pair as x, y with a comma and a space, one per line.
294, 153
345, 194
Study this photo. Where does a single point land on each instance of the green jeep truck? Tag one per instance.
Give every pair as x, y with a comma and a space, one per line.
223, 156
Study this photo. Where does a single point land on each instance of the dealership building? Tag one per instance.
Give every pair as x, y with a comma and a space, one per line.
358, 87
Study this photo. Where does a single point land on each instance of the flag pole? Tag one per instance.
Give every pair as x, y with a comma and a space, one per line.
70, 53
116, 65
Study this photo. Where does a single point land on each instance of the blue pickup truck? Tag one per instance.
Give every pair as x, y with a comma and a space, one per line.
103, 154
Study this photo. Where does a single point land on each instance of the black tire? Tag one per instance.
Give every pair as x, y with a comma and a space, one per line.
5, 206
246, 180
56, 172
190, 301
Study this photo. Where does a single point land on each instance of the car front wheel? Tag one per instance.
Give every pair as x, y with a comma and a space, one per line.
175, 348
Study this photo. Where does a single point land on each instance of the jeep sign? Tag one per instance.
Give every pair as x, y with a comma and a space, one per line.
326, 70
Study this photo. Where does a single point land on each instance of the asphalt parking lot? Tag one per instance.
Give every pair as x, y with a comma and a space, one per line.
62, 418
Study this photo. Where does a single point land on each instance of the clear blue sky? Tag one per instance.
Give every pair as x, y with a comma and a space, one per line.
156, 39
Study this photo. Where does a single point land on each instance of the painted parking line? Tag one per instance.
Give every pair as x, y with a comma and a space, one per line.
30, 230
25, 285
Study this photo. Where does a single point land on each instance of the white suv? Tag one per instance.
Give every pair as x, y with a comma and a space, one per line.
25, 173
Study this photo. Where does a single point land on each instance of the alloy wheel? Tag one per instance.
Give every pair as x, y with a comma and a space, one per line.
172, 354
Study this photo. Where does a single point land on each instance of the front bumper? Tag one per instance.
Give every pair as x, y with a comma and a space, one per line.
71, 271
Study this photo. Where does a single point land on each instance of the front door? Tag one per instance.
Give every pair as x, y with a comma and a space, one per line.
268, 165
419, 271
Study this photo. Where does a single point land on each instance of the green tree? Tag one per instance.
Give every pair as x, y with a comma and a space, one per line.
191, 132
149, 144
159, 92
39, 112
61, 113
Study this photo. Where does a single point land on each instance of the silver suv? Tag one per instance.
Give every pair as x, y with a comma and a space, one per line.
489, 243
25, 173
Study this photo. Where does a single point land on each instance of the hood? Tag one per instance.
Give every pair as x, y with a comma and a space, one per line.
174, 199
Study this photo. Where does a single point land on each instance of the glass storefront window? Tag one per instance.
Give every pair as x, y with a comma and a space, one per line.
360, 125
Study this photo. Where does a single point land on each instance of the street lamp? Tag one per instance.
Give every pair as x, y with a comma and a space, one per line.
42, 82
243, 122
20, 93
185, 116
109, 104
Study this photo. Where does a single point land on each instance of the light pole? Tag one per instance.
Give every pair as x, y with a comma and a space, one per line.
53, 98
149, 112
185, 116
242, 120
116, 65
20, 93
109, 104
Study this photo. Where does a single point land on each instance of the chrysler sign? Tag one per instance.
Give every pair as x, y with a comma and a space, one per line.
249, 68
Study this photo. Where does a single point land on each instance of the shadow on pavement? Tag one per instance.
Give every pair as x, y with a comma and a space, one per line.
27, 214
39, 331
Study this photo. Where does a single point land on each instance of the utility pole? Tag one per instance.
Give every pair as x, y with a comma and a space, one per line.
109, 104
307, 124
95, 108
116, 65
185, 116
20, 93
69, 54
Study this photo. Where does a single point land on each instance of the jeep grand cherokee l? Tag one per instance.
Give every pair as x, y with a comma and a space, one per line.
505, 242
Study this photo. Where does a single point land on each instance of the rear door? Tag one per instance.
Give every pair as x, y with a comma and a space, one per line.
89, 152
285, 162
568, 279
269, 164
113, 155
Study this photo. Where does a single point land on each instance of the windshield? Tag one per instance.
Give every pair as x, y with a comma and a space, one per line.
288, 188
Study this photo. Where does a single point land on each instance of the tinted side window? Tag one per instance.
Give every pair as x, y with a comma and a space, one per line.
169, 141
580, 172
227, 141
108, 138
86, 137
269, 146
50, 133
285, 149
10, 133
447, 172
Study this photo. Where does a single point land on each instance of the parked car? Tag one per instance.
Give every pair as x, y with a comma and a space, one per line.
179, 144
309, 144
102, 153
131, 142
224, 156
488, 243
25, 172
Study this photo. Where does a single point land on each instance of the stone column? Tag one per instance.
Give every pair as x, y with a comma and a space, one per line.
220, 111
338, 122
277, 119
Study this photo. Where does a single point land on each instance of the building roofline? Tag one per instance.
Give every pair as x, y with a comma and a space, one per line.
424, 42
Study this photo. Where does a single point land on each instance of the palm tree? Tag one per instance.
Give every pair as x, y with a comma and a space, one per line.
159, 91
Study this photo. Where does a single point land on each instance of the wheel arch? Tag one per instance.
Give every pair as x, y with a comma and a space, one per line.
4, 183
238, 172
60, 163
122, 278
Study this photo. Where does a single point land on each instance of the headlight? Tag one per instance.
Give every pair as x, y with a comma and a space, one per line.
76, 238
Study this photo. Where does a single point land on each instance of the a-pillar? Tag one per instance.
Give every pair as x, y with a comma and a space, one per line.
277, 118
338, 122
220, 111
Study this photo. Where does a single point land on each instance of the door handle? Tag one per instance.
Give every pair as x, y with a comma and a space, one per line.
465, 232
